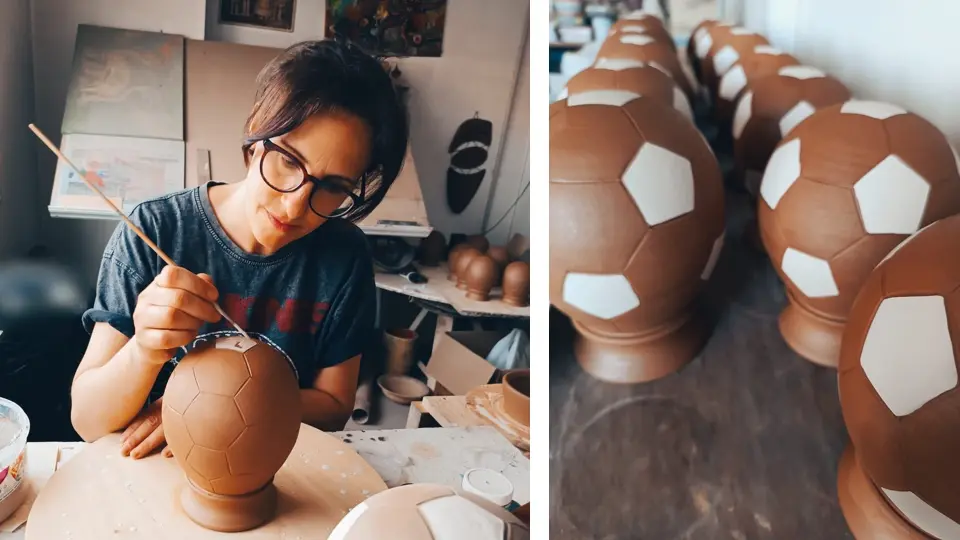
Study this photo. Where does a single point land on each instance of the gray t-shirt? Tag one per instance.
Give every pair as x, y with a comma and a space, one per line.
314, 299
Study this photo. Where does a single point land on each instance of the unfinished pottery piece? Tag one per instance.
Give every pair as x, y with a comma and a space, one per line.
231, 416
618, 81
478, 241
868, 514
429, 512
480, 277
759, 62
898, 376
464, 258
769, 108
698, 46
516, 395
402, 389
636, 227
500, 255
647, 25
516, 284
647, 50
432, 249
728, 45
452, 257
844, 188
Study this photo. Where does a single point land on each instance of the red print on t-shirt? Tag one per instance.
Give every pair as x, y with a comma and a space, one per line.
257, 314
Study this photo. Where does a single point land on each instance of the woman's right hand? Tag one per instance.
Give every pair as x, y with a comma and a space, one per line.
171, 310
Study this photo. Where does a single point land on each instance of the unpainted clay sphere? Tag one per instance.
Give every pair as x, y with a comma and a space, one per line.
729, 44
480, 277
770, 107
645, 24
231, 415
500, 255
464, 258
636, 215
700, 33
619, 81
432, 248
478, 241
898, 378
763, 60
843, 189
646, 50
516, 284
452, 257
428, 512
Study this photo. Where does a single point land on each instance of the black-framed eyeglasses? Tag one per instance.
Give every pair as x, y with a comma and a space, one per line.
283, 172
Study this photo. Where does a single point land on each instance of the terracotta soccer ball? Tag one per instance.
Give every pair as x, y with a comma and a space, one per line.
700, 32
643, 23
636, 227
625, 80
231, 416
646, 49
763, 60
843, 189
728, 45
428, 512
898, 391
769, 108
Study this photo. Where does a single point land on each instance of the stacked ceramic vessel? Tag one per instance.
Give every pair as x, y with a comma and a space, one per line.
478, 268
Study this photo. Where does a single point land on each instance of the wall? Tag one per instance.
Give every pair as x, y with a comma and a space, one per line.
19, 223
881, 49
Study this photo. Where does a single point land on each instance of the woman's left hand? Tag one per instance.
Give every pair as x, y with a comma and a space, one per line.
145, 433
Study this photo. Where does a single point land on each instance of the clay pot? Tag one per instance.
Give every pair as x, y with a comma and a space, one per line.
759, 62
728, 45
231, 416
649, 51
769, 108
432, 248
621, 80
480, 277
643, 24
628, 256
845, 187
516, 395
399, 346
516, 284
898, 390
478, 241
699, 45
500, 255
463, 262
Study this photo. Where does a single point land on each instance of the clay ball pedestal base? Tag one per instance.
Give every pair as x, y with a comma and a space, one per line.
868, 514
638, 358
228, 513
813, 337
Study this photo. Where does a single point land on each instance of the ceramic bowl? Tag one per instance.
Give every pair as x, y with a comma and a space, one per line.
516, 395
402, 389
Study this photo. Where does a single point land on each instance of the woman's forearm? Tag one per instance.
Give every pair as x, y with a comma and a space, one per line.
107, 397
322, 411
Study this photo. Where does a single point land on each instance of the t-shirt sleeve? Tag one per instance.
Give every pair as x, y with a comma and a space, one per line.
349, 323
127, 267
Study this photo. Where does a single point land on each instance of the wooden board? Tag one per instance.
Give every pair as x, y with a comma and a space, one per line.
486, 402
743, 443
451, 411
100, 494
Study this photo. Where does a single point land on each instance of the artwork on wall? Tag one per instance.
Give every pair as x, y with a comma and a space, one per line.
389, 27
468, 150
268, 14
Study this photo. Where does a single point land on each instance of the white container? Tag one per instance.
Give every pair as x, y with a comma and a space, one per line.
14, 428
490, 485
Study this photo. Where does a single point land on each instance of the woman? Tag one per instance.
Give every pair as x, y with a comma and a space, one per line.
277, 251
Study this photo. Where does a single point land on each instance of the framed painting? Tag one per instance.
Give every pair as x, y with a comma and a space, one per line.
389, 27
267, 14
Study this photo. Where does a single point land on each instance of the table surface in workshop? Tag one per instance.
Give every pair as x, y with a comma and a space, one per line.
743, 443
427, 455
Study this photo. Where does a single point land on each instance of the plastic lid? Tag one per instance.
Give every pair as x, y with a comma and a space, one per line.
488, 484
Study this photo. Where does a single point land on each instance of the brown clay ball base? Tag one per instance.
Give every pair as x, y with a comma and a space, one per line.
812, 337
229, 513
868, 514
640, 358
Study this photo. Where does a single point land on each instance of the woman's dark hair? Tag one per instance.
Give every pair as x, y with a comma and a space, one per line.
314, 77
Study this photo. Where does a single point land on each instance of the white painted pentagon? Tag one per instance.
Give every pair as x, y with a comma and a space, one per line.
892, 198
873, 109
733, 81
740, 31
682, 104
660, 68
801, 72
636, 39
725, 59
925, 517
702, 45
661, 184
617, 64
714, 257
698, 35
782, 171
742, 115
794, 116
563, 94
457, 517
639, 15
908, 355
632, 29
614, 98
812, 275
604, 296
767, 49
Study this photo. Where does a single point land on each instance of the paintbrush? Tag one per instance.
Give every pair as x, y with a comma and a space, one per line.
86, 177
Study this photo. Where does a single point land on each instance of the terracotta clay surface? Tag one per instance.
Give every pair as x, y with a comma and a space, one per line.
429, 512
478, 241
898, 376
500, 255
646, 50
231, 416
754, 64
480, 277
516, 395
727, 45
452, 257
464, 258
698, 45
99, 494
770, 108
432, 249
516, 284
649, 25
618, 81
636, 227
845, 187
